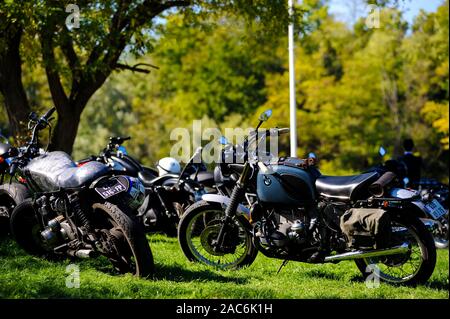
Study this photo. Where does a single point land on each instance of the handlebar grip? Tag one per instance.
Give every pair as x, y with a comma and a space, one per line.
49, 113
119, 139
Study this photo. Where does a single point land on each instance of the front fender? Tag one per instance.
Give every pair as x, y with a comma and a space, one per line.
225, 201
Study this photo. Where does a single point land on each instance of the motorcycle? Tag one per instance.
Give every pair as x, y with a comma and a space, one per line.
11, 193
75, 211
301, 215
432, 209
168, 195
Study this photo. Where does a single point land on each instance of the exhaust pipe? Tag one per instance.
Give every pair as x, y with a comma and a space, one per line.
401, 249
82, 253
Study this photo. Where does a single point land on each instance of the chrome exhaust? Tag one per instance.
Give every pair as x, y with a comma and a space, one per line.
358, 254
82, 253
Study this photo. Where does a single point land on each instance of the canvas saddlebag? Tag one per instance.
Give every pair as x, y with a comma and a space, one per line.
366, 228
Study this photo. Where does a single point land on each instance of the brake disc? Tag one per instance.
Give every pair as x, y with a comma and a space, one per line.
209, 236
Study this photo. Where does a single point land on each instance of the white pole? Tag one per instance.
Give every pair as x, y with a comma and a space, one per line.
292, 102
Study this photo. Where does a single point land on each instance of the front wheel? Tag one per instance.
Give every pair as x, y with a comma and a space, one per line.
412, 268
198, 230
124, 241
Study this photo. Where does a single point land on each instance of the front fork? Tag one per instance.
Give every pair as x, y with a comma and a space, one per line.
236, 196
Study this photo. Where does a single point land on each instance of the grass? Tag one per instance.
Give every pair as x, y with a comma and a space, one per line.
24, 276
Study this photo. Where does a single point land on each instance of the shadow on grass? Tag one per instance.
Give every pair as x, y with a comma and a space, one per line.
181, 274
438, 284
168, 272
318, 273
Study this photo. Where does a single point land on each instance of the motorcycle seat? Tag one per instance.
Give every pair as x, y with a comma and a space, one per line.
147, 176
75, 177
345, 187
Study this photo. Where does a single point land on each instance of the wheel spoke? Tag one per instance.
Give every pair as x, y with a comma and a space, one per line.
203, 230
399, 268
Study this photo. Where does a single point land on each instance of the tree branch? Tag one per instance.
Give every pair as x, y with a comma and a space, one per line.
135, 68
56, 89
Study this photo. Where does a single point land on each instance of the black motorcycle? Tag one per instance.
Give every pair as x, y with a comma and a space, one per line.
77, 211
301, 215
432, 208
167, 196
12, 192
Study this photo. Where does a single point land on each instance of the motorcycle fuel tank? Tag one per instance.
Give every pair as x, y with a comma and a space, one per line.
287, 185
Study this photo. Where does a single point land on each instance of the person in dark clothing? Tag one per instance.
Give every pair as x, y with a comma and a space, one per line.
413, 163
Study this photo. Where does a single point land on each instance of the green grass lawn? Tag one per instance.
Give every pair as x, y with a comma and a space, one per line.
24, 276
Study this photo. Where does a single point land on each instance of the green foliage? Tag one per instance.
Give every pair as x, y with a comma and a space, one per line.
225, 62
357, 88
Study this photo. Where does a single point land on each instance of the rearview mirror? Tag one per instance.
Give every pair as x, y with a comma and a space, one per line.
382, 151
265, 115
406, 181
312, 155
223, 140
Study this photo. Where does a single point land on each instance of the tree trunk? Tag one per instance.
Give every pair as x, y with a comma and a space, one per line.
11, 86
65, 130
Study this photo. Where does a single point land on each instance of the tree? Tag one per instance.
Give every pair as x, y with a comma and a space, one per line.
78, 61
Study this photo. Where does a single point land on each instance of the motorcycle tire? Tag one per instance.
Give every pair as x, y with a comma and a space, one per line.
26, 229
11, 195
427, 247
186, 228
134, 236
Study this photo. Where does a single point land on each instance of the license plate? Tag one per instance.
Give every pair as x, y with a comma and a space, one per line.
435, 209
111, 190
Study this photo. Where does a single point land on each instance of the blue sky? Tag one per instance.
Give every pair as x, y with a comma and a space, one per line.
348, 10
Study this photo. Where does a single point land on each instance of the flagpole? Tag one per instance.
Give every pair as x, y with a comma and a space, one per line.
292, 101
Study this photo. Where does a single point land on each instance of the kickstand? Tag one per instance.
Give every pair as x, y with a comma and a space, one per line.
282, 265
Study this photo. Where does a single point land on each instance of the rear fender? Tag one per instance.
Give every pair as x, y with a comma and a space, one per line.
417, 206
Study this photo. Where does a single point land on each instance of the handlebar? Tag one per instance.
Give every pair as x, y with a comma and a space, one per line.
118, 140
49, 113
32, 147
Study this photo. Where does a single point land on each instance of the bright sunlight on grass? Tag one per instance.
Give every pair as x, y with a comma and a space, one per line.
24, 276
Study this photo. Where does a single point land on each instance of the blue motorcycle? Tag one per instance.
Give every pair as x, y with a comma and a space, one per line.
298, 214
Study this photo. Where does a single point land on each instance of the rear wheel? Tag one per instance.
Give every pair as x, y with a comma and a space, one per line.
124, 241
198, 230
414, 267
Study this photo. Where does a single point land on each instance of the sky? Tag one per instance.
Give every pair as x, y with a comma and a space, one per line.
349, 10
